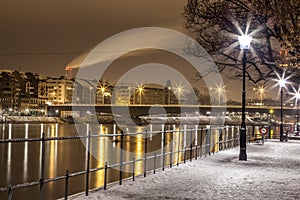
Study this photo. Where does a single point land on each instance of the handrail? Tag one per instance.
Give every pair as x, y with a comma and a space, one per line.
196, 149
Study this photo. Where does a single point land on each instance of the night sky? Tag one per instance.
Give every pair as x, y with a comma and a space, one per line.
45, 36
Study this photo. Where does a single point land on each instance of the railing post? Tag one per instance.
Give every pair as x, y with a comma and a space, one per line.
42, 167
10, 191
145, 155
154, 163
105, 176
196, 141
196, 156
253, 131
133, 168
184, 154
220, 139
184, 143
209, 140
201, 142
226, 138
164, 144
178, 148
66, 184
191, 145
171, 147
206, 141
87, 178
121, 158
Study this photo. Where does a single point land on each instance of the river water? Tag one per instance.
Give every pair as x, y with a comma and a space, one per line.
21, 162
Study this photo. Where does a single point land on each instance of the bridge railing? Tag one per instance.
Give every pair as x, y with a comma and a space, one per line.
185, 144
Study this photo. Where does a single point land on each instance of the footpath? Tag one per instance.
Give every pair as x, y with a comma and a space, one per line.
271, 172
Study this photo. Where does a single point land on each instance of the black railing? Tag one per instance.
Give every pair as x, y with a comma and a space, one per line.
204, 141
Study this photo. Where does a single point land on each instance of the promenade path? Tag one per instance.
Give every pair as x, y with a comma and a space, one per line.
271, 172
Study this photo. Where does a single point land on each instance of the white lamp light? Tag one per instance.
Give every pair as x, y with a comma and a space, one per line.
245, 41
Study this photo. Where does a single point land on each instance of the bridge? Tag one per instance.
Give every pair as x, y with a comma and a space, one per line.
144, 110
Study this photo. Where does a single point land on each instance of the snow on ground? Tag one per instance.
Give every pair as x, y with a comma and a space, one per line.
271, 172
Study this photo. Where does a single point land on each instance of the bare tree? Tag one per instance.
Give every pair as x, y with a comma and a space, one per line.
273, 24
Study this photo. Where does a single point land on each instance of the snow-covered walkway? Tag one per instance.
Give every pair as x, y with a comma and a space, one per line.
271, 172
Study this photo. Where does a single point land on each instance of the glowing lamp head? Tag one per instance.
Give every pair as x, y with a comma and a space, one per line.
297, 95
245, 41
281, 82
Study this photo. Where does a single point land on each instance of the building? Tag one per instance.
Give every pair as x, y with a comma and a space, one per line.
122, 94
92, 92
149, 94
55, 91
9, 92
19, 92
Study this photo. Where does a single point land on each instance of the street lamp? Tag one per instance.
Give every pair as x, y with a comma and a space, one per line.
56, 112
244, 41
169, 95
296, 96
102, 91
91, 88
140, 90
179, 90
220, 89
281, 82
261, 91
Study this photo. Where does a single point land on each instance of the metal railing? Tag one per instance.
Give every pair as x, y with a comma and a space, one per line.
205, 141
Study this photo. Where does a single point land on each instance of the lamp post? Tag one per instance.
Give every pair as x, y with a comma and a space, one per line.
261, 90
281, 82
169, 95
91, 88
296, 96
179, 91
102, 91
220, 89
297, 101
140, 89
244, 41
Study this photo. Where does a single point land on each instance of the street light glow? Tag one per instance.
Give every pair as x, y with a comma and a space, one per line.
140, 89
245, 41
296, 94
282, 80
102, 89
261, 90
179, 90
220, 89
